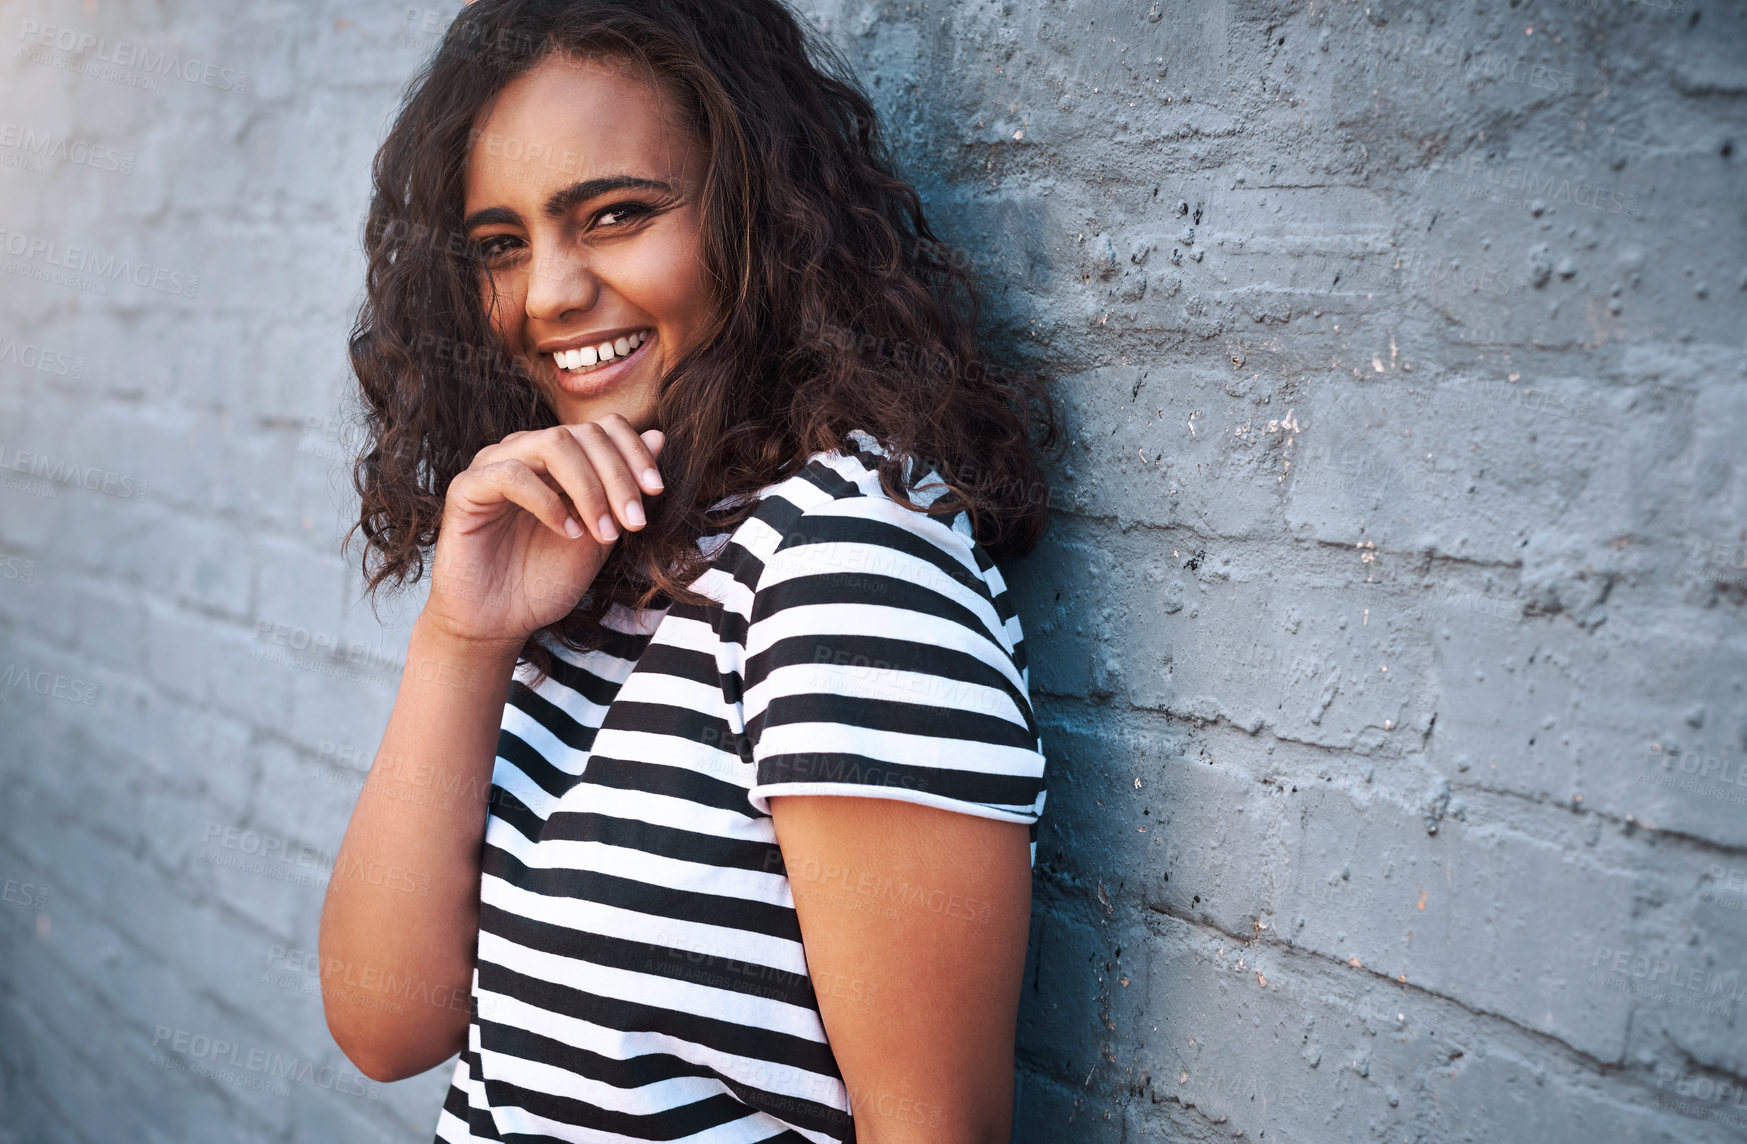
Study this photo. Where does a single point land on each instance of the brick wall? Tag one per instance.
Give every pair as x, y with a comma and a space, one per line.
1388, 637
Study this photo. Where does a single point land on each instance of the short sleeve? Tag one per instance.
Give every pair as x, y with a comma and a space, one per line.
880, 661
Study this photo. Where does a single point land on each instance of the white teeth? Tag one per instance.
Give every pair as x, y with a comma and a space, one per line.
588, 356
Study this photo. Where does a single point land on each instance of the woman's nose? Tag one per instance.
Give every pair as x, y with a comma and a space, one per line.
559, 282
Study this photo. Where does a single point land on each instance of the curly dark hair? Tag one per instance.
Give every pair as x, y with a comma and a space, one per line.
837, 307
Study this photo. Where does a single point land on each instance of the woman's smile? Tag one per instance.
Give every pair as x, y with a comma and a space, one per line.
590, 365
593, 269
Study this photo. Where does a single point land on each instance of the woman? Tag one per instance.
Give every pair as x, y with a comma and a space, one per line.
665, 373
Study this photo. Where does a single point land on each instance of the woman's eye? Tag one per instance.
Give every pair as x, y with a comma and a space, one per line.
495, 246
620, 214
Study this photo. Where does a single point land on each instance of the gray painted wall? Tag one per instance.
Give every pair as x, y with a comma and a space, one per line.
1388, 637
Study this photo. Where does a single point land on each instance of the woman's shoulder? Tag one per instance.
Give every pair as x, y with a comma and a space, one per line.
833, 516
836, 496
887, 635
846, 480
829, 534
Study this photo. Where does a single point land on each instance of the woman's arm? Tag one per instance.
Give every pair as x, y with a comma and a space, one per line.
401, 919
400, 928
914, 921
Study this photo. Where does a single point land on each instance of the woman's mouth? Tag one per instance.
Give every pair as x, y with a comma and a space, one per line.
587, 359
590, 369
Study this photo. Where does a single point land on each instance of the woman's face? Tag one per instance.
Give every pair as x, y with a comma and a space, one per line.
581, 198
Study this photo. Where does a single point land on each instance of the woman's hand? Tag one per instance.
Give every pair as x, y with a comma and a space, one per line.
528, 525
505, 566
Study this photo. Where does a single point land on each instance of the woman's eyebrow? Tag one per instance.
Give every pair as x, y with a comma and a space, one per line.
561, 201
491, 216
564, 200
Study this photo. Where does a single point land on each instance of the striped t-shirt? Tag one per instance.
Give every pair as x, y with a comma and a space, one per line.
640, 973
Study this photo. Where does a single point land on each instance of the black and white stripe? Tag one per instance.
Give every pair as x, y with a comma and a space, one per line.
640, 971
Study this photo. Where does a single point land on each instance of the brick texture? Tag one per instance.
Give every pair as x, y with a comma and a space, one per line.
1388, 636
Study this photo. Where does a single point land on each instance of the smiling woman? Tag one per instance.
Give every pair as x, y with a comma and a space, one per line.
590, 279
697, 574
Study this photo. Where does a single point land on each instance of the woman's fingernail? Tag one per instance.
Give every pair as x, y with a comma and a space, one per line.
608, 531
571, 528
652, 479
634, 514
